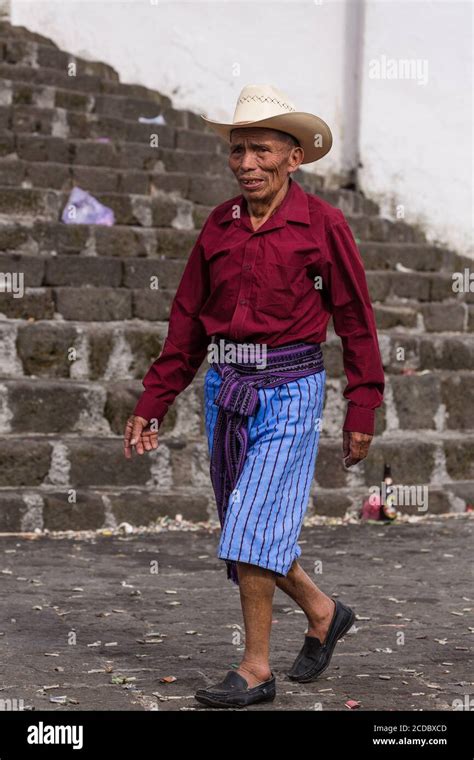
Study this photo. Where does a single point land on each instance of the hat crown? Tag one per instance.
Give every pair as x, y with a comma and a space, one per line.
261, 101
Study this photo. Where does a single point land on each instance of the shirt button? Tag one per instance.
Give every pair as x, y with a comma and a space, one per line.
243, 301
246, 266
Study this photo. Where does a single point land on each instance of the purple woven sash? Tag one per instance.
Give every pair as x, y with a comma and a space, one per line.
237, 400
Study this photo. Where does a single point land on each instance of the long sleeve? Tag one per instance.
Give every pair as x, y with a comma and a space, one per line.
186, 344
354, 322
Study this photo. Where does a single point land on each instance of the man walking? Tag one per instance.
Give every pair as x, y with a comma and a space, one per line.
270, 267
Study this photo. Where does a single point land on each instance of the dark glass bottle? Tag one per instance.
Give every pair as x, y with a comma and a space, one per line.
388, 509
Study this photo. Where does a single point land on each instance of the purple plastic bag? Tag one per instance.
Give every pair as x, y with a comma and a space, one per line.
83, 208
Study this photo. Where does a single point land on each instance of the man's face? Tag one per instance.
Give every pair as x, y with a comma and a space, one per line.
263, 155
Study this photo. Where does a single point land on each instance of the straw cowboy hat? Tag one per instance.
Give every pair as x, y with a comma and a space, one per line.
262, 105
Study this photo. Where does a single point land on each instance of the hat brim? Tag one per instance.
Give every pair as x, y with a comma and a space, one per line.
306, 127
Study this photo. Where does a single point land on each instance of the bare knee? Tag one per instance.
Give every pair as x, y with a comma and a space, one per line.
253, 578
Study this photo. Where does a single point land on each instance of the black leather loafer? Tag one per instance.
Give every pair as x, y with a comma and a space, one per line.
234, 691
315, 657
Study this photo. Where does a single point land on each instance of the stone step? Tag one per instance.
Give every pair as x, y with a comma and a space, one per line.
202, 188
49, 508
429, 288
91, 84
364, 228
99, 304
23, 52
445, 316
158, 210
21, 96
420, 257
114, 154
98, 350
56, 508
140, 156
161, 210
122, 241
136, 155
14, 31
415, 286
43, 238
80, 462
58, 150
67, 123
51, 269
106, 304
405, 351
63, 177
75, 124
424, 401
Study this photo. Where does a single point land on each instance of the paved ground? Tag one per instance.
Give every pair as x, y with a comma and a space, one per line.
83, 613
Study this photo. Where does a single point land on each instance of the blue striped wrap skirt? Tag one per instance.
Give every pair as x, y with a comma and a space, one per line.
265, 511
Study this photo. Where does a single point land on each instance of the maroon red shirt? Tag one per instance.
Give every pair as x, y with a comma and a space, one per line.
259, 286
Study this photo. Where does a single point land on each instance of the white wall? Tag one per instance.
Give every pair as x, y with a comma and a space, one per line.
414, 140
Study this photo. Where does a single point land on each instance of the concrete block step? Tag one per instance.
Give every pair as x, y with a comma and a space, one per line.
15, 31
102, 271
127, 155
114, 99
162, 209
112, 154
54, 509
20, 51
51, 269
364, 228
63, 177
97, 304
95, 350
34, 204
95, 271
428, 401
201, 188
425, 287
58, 509
122, 241
92, 84
35, 237
77, 124
79, 462
445, 316
409, 351
417, 257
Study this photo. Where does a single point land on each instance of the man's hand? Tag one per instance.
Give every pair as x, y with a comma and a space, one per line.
139, 434
355, 446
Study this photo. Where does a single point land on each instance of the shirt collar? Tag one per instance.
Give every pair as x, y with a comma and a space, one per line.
294, 208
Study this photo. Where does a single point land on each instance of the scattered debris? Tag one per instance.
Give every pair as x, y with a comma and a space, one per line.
352, 704
82, 208
160, 119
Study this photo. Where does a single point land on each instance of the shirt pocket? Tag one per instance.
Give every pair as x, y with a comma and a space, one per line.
218, 266
280, 288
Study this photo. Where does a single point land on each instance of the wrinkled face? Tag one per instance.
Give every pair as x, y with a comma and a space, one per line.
261, 160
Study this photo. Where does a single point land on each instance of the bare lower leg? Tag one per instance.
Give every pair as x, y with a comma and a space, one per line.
257, 587
317, 606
